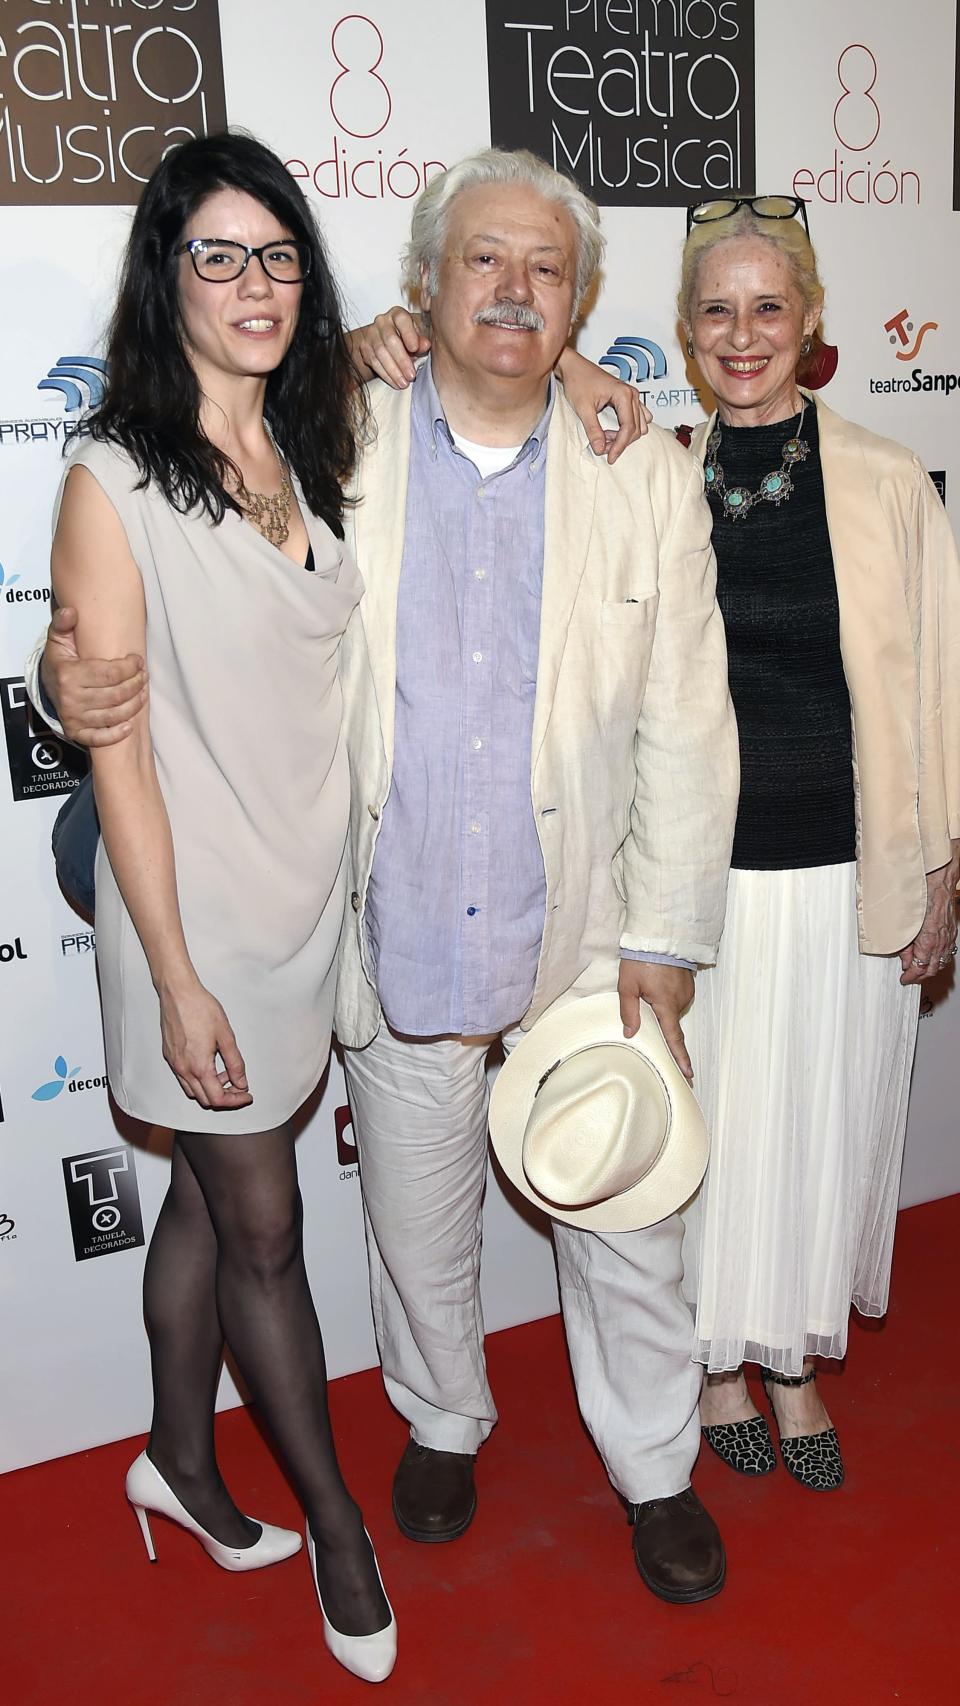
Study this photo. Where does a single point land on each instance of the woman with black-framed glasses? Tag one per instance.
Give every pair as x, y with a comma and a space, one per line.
839, 583
220, 260
200, 526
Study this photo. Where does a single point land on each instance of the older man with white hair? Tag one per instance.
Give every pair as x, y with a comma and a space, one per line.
544, 780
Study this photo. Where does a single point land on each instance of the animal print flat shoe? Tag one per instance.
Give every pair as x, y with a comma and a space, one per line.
744, 1446
812, 1459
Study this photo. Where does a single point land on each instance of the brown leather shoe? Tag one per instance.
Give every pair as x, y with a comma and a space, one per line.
434, 1497
678, 1549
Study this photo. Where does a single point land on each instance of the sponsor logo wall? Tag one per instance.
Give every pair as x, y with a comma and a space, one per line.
649, 104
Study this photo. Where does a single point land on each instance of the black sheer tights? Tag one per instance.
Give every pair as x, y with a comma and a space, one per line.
226, 1261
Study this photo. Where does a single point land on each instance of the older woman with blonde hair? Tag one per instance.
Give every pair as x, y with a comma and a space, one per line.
839, 583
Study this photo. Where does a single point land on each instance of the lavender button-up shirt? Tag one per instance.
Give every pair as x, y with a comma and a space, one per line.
457, 893
456, 899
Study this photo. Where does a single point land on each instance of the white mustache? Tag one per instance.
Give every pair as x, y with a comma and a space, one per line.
510, 314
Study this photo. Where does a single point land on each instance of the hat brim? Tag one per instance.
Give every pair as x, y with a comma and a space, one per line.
577, 1024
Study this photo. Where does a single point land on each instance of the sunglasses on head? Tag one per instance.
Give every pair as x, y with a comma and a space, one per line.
764, 206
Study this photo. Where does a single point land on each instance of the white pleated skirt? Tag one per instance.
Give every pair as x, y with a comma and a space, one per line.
802, 1050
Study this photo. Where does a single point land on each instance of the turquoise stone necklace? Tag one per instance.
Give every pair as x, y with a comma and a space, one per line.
774, 488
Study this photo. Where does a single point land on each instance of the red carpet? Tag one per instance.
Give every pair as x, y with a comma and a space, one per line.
845, 1599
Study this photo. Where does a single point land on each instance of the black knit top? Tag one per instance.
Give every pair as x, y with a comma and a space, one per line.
778, 594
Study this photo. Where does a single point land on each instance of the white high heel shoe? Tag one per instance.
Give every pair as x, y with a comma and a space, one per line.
370, 1657
148, 1491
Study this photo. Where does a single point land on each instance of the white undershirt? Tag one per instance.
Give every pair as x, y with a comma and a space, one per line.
487, 458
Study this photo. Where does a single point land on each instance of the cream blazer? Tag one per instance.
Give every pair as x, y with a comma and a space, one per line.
898, 585
634, 762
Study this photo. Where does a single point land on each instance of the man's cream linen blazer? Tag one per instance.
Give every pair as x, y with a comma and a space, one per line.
634, 764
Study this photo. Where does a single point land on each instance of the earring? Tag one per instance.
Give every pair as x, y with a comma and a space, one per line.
806, 346
689, 346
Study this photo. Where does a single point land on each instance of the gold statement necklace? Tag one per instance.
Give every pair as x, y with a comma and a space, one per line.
269, 511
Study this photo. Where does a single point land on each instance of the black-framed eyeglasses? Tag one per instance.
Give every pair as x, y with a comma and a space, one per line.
217, 260
764, 206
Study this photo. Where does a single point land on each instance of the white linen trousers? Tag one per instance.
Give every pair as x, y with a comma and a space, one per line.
420, 1122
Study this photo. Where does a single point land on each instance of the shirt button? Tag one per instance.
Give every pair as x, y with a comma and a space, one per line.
474, 829
476, 743
480, 574
480, 494
471, 911
478, 657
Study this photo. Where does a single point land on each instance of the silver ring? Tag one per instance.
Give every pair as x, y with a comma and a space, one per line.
920, 962
952, 951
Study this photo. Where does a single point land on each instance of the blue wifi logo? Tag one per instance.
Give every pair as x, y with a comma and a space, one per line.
634, 359
71, 372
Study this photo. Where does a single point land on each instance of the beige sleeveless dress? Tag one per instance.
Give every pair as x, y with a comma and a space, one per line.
245, 713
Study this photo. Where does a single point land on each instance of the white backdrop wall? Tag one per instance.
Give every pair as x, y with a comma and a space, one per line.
364, 108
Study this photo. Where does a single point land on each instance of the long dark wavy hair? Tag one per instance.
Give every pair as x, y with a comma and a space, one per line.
151, 406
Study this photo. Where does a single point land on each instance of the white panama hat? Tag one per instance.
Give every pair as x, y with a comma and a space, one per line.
597, 1129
